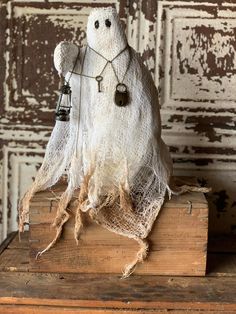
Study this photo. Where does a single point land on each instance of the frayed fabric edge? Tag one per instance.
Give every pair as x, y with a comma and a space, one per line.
189, 188
24, 204
140, 257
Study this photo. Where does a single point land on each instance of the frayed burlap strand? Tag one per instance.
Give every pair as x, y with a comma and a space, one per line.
24, 204
80, 204
83, 194
78, 224
140, 257
189, 188
61, 218
24, 208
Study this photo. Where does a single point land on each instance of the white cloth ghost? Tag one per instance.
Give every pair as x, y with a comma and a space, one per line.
114, 154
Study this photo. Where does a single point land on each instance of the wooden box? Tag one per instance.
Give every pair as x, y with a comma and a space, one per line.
178, 240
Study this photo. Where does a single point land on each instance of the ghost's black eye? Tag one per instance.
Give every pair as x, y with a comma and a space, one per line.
96, 24
107, 23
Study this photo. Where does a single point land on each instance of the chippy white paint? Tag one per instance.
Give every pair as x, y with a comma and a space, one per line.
17, 180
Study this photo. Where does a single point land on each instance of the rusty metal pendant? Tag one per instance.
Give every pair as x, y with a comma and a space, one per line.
121, 95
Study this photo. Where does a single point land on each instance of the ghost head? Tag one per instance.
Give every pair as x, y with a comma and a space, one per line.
105, 33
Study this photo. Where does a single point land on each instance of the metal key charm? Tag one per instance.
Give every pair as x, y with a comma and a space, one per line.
99, 78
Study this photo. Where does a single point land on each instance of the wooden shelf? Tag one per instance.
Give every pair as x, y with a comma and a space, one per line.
22, 291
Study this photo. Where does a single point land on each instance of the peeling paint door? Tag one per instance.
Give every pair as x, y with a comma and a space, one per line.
197, 79
189, 48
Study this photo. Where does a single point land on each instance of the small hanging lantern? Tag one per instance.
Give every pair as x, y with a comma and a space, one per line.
64, 103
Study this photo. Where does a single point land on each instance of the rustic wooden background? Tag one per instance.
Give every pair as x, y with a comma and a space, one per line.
190, 49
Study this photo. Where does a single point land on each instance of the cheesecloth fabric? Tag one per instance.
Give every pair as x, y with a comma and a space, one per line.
115, 155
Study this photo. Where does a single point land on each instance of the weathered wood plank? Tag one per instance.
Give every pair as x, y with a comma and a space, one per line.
185, 214
218, 264
102, 251
14, 260
42, 293
21, 242
29, 309
67, 257
137, 292
164, 236
7, 241
113, 260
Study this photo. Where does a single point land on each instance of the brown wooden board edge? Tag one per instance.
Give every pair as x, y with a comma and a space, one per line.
28, 309
122, 305
7, 241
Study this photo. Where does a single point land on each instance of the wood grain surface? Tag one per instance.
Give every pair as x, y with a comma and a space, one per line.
178, 240
137, 292
22, 291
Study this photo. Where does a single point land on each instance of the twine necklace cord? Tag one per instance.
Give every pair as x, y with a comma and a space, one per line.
107, 62
71, 72
128, 66
79, 103
98, 53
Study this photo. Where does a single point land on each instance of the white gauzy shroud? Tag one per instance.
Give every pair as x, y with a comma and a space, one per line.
115, 155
